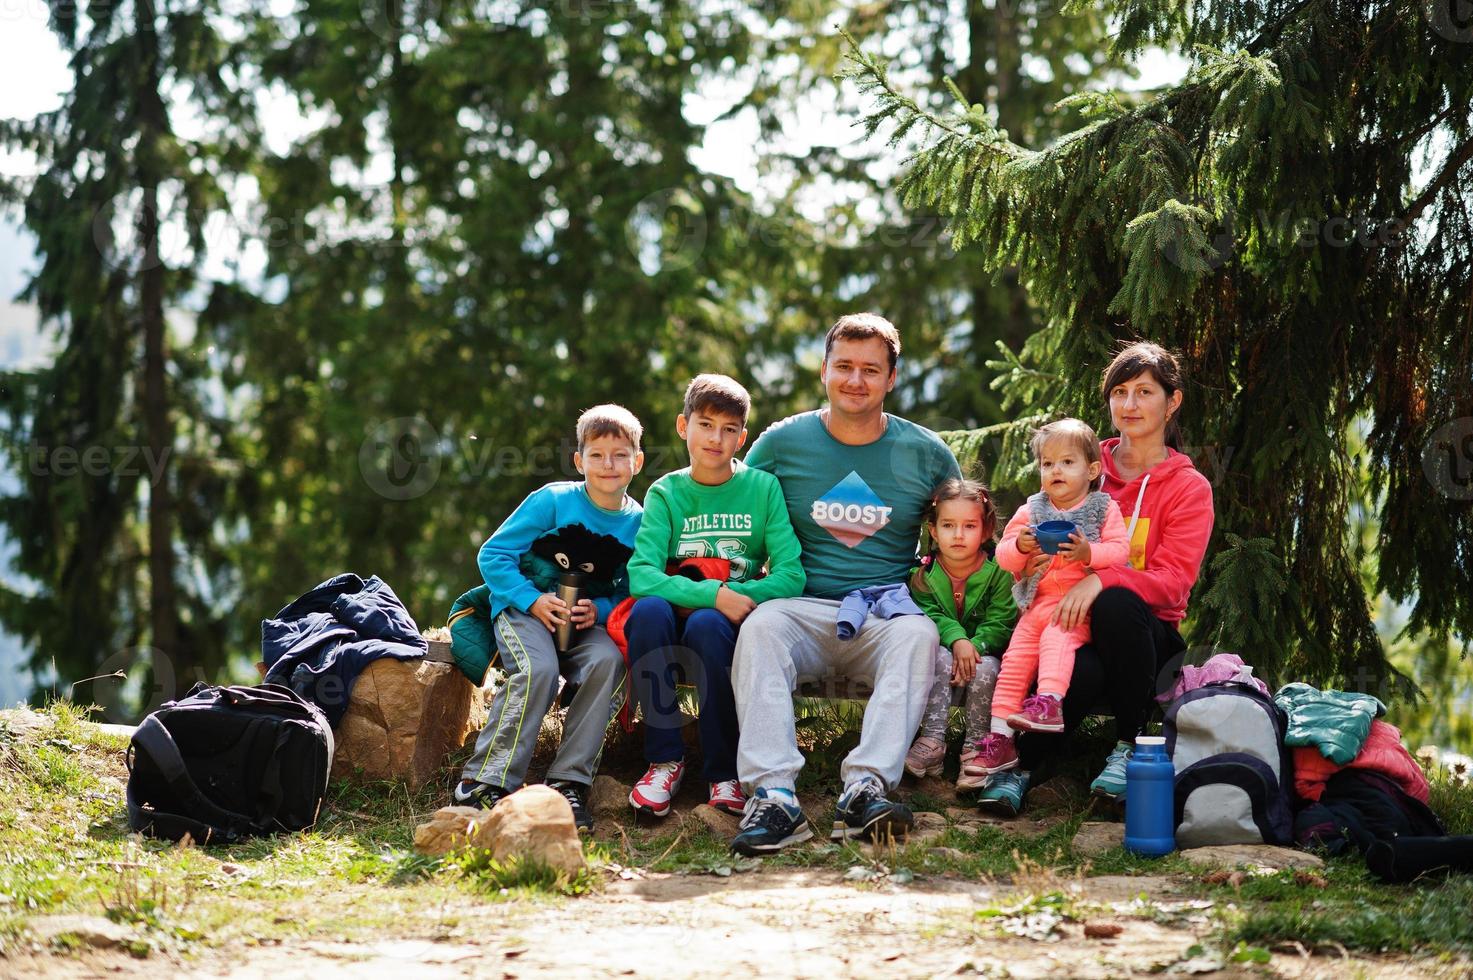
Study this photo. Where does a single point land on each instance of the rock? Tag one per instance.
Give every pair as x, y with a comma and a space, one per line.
451, 828
24, 721
927, 820
404, 718
722, 824
928, 827
1095, 837
1059, 793
88, 930
1266, 856
534, 823
608, 797
947, 853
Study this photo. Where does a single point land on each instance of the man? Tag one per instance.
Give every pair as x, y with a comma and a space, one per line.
856, 481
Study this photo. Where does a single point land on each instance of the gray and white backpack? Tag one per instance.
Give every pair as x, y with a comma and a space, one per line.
1234, 776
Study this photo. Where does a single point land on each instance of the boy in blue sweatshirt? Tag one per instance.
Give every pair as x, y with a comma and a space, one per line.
586, 527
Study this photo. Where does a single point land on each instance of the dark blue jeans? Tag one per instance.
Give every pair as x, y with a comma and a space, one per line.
664, 652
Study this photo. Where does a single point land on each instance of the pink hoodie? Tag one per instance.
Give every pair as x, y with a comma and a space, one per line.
1168, 517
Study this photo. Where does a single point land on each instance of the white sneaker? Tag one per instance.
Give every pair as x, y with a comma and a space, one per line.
657, 787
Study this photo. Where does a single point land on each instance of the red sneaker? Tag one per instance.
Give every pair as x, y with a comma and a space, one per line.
1041, 713
728, 796
657, 787
995, 752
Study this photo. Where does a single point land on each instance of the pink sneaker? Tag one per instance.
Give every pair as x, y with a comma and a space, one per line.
728, 796
1041, 713
925, 757
972, 775
657, 787
995, 752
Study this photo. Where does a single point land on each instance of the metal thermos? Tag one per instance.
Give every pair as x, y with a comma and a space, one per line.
570, 590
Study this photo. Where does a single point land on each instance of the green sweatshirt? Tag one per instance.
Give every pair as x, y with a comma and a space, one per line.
988, 611
743, 520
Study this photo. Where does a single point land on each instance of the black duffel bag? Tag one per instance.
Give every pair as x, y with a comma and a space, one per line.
229, 762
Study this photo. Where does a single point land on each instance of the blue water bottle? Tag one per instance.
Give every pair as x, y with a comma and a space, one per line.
1150, 799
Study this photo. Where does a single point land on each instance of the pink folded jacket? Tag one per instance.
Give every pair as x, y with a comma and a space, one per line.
1382, 752
1221, 667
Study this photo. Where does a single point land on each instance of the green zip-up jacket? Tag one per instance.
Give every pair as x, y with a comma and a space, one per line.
988, 611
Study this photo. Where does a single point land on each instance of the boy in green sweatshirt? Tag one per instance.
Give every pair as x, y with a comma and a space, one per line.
697, 573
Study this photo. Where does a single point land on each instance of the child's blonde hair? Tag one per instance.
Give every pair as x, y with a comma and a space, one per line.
609, 420
956, 488
1073, 431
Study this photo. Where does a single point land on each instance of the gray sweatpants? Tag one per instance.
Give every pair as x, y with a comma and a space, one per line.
532, 664
786, 641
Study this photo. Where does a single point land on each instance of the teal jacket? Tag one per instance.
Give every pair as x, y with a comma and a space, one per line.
1335, 722
988, 613
472, 644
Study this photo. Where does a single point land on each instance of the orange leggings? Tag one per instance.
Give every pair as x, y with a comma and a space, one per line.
1039, 649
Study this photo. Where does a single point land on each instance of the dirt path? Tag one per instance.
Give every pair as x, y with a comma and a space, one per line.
767, 923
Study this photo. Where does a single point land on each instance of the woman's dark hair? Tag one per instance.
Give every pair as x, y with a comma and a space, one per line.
955, 488
1144, 357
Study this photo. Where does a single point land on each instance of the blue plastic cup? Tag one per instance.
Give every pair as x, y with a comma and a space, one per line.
1051, 534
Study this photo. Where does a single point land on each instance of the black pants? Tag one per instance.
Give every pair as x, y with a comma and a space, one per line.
1122, 666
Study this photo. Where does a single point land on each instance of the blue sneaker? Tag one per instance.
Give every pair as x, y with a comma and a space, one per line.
1003, 794
769, 825
1110, 784
864, 812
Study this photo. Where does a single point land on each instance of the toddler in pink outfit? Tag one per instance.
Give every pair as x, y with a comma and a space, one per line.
1042, 649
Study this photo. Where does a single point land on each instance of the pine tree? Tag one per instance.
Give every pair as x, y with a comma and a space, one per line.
496, 225
112, 443
1294, 217
879, 253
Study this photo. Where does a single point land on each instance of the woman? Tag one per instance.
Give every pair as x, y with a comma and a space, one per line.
1134, 610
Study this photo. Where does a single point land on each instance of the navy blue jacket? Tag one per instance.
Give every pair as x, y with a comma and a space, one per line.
319, 644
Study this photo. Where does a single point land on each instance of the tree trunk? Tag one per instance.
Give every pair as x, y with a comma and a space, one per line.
992, 31
163, 600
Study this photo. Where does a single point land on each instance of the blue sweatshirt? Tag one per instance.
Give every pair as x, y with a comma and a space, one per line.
556, 529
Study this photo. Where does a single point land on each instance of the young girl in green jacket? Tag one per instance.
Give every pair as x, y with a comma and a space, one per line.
970, 600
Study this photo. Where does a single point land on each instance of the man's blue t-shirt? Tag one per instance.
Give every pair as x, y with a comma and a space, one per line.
856, 509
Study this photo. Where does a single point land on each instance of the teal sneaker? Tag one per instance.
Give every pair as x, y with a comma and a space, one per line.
1110, 784
1002, 795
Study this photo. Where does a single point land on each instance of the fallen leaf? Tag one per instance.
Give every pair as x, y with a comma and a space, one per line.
513, 953
1310, 879
1102, 930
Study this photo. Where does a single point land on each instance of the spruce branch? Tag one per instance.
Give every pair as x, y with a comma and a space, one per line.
1456, 160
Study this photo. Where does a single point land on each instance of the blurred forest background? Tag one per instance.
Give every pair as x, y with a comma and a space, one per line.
323, 286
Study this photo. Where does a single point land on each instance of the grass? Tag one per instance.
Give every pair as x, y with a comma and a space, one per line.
65, 848
1351, 911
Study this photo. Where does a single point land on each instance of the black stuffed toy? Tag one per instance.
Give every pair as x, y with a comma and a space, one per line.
599, 558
